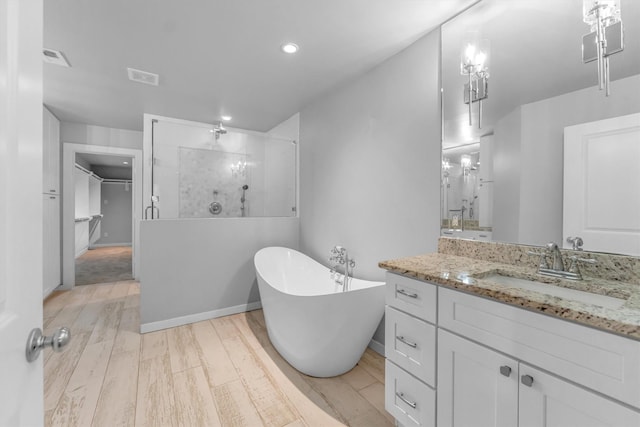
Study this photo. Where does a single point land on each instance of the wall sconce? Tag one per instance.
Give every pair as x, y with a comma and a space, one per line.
239, 169
474, 63
605, 38
446, 164
465, 163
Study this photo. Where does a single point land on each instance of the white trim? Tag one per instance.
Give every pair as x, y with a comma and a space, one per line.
82, 251
198, 317
69, 151
377, 346
108, 245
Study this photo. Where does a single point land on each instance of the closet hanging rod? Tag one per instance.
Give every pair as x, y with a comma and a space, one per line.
88, 172
116, 181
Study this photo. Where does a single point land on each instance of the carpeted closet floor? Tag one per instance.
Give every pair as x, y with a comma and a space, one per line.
104, 265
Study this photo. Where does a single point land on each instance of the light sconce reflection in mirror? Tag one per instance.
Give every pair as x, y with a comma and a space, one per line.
605, 38
474, 63
465, 163
239, 169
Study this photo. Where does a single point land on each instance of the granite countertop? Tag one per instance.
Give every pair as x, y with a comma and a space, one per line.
466, 274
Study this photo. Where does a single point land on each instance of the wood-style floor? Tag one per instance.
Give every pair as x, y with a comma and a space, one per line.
222, 372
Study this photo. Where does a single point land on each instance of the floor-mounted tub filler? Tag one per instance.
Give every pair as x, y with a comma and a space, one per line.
317, 327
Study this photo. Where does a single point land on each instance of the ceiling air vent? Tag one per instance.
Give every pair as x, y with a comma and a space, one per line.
54, 57
143, 77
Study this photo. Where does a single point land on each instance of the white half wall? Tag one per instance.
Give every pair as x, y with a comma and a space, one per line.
195, 269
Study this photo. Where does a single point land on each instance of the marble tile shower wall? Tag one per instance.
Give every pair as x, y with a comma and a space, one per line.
206, 176
614, 267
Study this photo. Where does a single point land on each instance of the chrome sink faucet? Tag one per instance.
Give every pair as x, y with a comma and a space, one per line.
556, 256
557, 268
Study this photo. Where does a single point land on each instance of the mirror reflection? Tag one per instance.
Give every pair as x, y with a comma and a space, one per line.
507, 104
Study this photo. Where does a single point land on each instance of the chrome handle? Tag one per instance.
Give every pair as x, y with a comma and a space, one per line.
36, 342
407, 294
527, 380
587, 260
405, 400
505, 370
404, 341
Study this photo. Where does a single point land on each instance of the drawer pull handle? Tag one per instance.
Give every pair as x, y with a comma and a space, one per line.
409, 343
527, 380
405, 400
505, 370
407, 294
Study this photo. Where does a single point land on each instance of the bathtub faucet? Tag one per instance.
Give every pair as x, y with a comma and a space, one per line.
340, 256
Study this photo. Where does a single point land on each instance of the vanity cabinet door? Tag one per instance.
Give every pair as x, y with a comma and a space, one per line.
411, 344
548, 401
476, 386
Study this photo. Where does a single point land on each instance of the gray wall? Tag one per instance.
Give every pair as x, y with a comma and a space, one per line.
116, 225
79, 133
529, 145
195, 269
370, 164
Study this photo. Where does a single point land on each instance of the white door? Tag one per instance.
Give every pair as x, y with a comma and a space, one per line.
476, 386
551, 402
602, 185
21, 396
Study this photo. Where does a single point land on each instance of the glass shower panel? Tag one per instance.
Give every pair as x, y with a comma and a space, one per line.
211, 183
197, 174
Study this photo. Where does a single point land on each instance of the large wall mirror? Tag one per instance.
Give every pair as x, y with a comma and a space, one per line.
503, 148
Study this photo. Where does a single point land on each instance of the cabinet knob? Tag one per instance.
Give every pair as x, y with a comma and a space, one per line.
505, 370
527, 380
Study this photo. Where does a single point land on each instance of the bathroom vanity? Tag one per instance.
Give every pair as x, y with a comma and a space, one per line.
475, 337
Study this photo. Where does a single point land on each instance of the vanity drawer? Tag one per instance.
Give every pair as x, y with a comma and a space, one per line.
411, 344
412, 296
409, 400
604, 362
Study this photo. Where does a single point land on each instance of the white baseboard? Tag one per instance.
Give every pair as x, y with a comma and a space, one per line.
106, 245
377, 346
198, 317
82, 251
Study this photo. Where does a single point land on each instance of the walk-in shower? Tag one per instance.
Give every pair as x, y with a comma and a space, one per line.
205, 171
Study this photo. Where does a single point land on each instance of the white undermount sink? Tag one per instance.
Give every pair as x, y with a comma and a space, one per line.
557, 291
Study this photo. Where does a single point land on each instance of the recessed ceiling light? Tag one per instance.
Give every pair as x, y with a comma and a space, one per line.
289, 48
226, 118
125, 163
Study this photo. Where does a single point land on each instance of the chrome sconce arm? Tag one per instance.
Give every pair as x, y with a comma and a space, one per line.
605, 39
474, 64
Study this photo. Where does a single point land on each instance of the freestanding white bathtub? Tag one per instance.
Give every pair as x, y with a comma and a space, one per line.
320, 330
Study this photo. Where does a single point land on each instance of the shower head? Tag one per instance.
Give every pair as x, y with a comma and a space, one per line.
218, 130
245, 187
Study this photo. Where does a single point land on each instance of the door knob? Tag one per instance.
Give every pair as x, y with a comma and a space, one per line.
36, 342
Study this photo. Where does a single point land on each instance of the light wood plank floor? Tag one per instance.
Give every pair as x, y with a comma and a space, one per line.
222, 372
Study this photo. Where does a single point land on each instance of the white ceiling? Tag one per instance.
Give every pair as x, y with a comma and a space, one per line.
536, 53
218, 57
